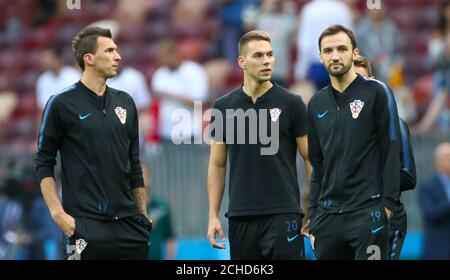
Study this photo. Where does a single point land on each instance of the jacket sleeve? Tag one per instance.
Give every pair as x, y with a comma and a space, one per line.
51, 133
316, 159
136, 170
387, 123
408, 175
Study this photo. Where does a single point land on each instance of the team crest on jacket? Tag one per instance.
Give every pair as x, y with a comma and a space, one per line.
356, 108
274, 114
80, 244
121, 114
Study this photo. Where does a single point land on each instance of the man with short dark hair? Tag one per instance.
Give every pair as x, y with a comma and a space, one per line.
264, 211
95, 129
353, 144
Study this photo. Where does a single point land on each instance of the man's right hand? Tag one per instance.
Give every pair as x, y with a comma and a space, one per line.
214, 226
65, 222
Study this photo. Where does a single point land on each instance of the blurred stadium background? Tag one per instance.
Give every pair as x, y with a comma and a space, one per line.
406, 45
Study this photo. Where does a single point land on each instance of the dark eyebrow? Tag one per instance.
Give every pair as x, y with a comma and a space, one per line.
110, 49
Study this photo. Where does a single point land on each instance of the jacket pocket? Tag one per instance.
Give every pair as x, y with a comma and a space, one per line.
145, 221
144, 224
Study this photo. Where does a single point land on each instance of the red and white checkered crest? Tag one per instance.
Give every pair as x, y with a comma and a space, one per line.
274, 114
121, 114
356, 108
80, 244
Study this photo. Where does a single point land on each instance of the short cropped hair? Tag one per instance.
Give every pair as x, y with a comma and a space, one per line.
254, 35
361, 61
86, 42
335, 29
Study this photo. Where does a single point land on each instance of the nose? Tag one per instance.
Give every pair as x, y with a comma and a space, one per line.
117, 57
266, 60
334, 56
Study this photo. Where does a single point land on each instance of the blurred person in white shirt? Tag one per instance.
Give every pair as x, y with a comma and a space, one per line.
55, 79
133, 82
57, 75
178, 84
315, 17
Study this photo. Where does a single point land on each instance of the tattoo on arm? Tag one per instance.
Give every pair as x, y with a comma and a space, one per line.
141, 199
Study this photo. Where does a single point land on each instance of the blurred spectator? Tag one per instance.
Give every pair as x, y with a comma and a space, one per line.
315, 17
436, 45
163, 244
13, 238
132, 81
356, 7
218, 71
177, 84
188, 11
9, 101
377, 37
434, 200
438, 110
10, 221
132, 12
46, 237
277, 17
232, 12
56, 77
31, 232
406, 104
44, 10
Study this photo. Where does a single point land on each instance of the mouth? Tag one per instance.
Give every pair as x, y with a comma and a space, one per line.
266, 71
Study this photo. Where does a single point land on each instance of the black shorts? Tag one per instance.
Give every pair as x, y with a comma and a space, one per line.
268, 237
125, 238
398, 228
361, 234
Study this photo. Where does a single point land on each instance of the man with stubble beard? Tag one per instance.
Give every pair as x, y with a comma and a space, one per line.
353, 143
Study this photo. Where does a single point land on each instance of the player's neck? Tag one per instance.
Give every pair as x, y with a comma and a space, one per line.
255, 89
341, 83
94, 83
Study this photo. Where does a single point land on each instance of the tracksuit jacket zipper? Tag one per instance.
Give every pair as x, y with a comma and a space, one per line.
338, 146
112, 201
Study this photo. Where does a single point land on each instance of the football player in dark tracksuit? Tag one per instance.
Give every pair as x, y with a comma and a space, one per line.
353, 145
398, 224
95, 129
